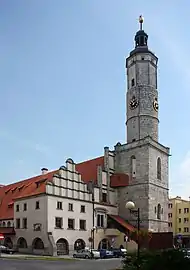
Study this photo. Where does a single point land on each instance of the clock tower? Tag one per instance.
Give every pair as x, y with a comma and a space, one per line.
142, 94
143, 157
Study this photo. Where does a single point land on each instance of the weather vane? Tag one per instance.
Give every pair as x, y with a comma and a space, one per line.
141, 20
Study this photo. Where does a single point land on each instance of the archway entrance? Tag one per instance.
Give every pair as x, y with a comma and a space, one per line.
37, 244
79, 244
104, 244
62, 247
8, 242
21, 243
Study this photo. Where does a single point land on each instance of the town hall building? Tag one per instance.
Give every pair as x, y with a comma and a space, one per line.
83, 204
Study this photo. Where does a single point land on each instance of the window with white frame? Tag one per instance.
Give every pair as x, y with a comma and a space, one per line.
100, 220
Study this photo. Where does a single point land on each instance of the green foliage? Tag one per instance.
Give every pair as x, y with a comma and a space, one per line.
165, 260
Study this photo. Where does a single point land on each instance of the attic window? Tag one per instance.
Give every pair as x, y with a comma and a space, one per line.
21, 187
38, 183
10, 205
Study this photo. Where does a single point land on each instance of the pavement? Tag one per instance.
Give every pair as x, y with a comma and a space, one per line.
14, 264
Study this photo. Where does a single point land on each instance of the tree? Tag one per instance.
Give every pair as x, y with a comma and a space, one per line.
165, 260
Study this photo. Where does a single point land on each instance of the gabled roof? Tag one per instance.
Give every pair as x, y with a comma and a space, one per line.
37, 185
88, 169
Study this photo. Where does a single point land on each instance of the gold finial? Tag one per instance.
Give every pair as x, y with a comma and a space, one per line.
141, 20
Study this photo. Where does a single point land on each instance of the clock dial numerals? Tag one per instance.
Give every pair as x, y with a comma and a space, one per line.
133, 103
155, 104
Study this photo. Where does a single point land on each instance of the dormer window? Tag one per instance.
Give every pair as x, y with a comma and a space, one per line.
21, 187
38, 183
13, 190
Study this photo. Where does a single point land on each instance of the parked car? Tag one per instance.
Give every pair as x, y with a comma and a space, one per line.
7, 250
118, 253
186, 252
124, 252
95, 253
83, 254
104, 253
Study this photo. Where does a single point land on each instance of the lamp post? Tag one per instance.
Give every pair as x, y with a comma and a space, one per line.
92, 237
131, 207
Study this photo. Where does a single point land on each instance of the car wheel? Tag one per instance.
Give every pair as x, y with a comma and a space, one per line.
86, 257
74, 256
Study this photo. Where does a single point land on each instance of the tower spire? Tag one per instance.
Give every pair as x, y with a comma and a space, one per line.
141, 20
141, 38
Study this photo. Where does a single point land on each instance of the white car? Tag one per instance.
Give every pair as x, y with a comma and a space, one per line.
124, 251
96, 253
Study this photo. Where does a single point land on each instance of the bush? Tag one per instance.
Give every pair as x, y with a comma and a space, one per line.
162, 260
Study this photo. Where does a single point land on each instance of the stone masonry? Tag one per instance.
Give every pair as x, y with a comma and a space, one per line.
143, 157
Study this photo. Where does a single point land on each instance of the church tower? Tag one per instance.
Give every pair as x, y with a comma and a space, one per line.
142, 94
143, 157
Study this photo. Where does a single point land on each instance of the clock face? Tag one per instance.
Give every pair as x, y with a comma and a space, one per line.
133, 103
155, 104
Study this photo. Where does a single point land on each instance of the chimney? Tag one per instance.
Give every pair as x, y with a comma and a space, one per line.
44, 170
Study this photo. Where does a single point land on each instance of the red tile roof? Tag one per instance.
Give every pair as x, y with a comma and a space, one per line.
21, 189
88, 169
36, 185
119, 180
123, 223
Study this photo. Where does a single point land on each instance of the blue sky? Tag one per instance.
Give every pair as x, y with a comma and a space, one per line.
62, 81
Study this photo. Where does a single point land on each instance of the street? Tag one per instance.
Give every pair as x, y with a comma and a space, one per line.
107, 264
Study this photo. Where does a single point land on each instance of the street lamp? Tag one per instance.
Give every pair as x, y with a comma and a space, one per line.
131, 206
92, 236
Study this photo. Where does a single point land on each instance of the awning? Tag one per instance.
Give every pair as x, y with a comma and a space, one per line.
4, 230
123, 223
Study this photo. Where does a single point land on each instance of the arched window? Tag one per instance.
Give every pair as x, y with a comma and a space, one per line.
133, 166
159, 168
159, 211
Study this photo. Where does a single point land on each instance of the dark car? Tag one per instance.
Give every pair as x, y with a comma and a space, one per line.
104, 253
117, 253
7, 250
